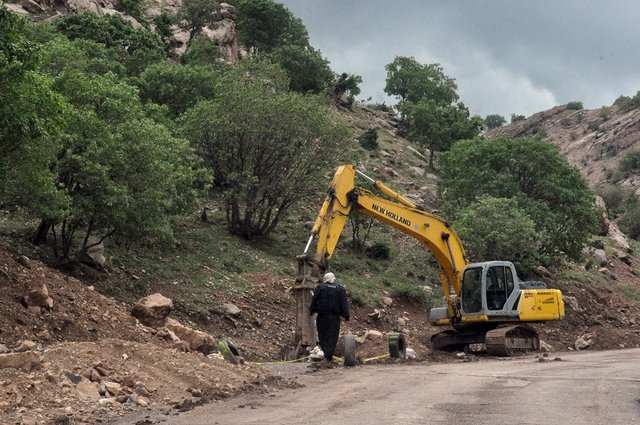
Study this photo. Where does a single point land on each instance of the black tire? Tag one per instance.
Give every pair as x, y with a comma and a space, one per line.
234, 350
397, 346
349, 350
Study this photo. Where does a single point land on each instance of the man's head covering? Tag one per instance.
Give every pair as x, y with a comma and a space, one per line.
329, 277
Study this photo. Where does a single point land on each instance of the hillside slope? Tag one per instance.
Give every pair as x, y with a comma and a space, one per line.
592, 140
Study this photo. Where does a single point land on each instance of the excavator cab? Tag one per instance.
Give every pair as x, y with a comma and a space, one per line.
487, 290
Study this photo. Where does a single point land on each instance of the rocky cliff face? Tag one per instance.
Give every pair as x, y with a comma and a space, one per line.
592, 140
225, 34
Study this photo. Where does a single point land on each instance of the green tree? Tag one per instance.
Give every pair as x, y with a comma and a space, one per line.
411, 82
201, 51
494, 121
85, 56
307, 70
121, 173
497, 229
162, 24
110, 30
32, 116
135, 48
195, 15
536, 176
266, 150
179, 87
265, 25
437, 126
346, 85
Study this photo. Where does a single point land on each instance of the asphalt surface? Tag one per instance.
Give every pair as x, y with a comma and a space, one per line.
580, 388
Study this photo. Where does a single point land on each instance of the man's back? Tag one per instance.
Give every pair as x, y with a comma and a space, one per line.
330, 298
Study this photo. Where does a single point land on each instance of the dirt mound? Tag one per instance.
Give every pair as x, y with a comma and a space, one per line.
604, 312
78, 313
96, 360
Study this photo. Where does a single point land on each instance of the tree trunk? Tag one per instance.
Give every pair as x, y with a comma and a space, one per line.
40, 235
431, 155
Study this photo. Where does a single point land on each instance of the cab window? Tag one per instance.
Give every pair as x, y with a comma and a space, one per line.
472, 290
510, 284
497, 287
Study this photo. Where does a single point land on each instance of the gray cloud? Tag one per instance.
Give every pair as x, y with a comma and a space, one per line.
507, 56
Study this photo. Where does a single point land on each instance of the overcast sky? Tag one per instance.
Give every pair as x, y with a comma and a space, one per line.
507, 56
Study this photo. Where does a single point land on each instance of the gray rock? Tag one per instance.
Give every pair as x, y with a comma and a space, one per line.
600, 257
572, 302
418, 171
93, 252
545, 346
231, 309
24, 261
581, 343
3, 349
542, 271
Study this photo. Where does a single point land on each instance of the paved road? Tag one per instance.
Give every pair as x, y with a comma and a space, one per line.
584, 388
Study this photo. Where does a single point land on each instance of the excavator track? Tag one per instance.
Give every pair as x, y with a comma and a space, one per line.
509, 340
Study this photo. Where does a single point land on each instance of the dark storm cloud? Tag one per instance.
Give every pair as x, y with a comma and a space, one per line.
506, 56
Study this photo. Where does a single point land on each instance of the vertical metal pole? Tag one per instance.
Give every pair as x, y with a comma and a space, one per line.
305, 334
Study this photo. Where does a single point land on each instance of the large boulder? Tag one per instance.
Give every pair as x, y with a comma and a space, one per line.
197, 340
152, 310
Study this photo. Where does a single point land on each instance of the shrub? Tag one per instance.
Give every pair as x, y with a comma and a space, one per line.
575, 106
381, 107
604, 112
517, 118
597, 244
617, 199
265, 149
630, 163
593, 126
630, 221
378, 251
626, 103
369, 139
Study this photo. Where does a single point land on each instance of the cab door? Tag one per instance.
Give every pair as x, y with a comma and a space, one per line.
499, 292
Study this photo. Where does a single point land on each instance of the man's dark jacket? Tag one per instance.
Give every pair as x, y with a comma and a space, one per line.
330, 298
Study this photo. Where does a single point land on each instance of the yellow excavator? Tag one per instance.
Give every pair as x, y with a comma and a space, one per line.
485, 302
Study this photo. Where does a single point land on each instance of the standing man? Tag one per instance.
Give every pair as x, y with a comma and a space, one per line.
330, 302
